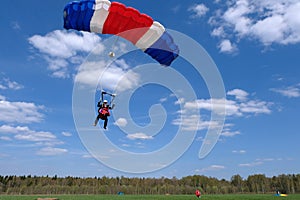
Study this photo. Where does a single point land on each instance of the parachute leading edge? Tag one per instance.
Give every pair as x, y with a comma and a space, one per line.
105, 17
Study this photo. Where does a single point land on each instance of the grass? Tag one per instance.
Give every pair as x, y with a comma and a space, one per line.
155, 197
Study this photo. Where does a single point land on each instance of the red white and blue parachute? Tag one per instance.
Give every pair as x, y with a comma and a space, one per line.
105, 17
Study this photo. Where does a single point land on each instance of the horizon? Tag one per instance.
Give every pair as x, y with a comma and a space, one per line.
168, 121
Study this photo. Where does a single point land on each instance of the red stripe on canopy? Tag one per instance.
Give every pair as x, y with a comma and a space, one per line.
122, 18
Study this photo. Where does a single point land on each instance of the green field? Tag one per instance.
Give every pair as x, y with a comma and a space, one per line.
155, 197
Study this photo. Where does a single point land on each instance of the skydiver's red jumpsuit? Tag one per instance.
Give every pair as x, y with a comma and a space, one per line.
103, 113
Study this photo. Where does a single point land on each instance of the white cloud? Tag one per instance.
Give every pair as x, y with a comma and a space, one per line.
291, 91
226, 46
218, 32
61, 48
265, 32
164, 99
211, 168
266, 159
5, 138
64, 44
236, 16
121, 122
239, 151
244, 105
194, 122
179, 101
241, 106
26, 134
141, 136
252, 164
87, 156
238, 94
38, 138
198, 10
117, 76
256, 107
51, 151
234, 108
268, 21
21, 112
6, 83
229, 133
14, 85
67, 134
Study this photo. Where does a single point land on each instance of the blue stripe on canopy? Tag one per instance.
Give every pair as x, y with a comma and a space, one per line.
163, 50
77, 15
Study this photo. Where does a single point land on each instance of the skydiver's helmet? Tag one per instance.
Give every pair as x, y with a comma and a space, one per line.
105, 101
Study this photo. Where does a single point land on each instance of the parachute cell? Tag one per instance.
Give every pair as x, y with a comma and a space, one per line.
104, 17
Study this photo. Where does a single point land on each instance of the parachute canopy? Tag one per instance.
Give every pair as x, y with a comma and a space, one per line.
105, 17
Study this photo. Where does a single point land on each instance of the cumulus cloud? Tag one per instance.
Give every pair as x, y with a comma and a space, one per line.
121, 122
218, 32
21, 112
26, 134
61, 49
115, 77
194, 123
268, 21
64, 44
241, 106
238, 94
290, 91
226, 46
233, 108
198, 10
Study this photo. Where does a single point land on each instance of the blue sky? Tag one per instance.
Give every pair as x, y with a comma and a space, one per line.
254, 45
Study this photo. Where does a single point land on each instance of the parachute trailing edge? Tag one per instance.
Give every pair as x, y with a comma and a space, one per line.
105, 17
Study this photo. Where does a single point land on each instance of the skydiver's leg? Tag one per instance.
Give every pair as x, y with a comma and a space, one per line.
96, 120
105, 122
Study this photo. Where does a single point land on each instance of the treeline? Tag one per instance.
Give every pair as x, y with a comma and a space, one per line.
187, 185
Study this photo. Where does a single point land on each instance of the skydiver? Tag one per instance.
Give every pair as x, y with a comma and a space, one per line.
103, 112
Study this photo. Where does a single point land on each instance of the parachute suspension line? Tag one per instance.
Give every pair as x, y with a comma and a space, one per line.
112, 97
113, 47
